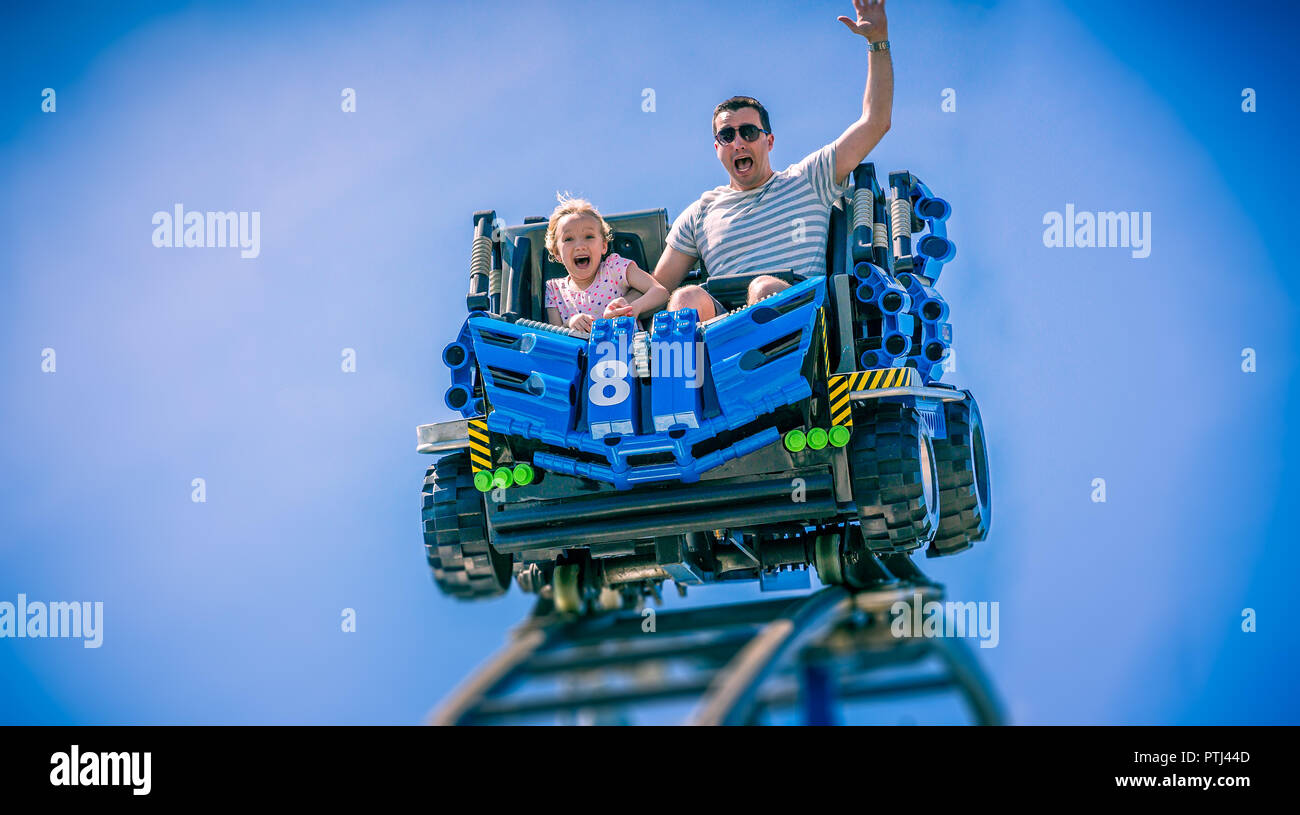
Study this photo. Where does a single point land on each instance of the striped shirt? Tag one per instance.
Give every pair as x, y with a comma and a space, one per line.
780, 225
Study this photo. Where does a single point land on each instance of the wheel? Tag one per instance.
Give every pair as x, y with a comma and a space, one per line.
464, 564
826, 557
891, 461
842, 559
963, 480
567, 588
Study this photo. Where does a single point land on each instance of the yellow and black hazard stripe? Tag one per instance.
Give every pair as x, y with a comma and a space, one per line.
841, 407
480, 445
842, 387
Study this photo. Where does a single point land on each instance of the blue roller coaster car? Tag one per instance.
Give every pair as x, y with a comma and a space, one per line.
809, 428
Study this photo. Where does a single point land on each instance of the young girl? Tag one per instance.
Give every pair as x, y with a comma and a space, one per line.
578, 237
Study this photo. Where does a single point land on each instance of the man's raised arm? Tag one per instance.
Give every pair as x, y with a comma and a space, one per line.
854, 144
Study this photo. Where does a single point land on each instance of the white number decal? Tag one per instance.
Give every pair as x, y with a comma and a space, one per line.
609, 373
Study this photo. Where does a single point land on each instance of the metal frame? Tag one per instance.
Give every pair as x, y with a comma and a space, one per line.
942, 394
735, 660
442, 437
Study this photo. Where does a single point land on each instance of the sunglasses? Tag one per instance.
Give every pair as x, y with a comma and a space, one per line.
747, 132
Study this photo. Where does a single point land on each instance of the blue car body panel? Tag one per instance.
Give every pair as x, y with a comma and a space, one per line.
583, 400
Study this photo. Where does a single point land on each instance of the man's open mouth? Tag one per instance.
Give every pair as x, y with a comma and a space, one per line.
743, 163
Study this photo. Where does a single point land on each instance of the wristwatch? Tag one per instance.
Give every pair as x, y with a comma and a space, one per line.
879, 45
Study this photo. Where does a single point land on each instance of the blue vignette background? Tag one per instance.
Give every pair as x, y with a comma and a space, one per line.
181, 364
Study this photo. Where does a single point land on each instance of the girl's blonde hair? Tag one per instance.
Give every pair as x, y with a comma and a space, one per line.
572, 206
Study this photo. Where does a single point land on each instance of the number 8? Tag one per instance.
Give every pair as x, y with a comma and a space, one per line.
609, 373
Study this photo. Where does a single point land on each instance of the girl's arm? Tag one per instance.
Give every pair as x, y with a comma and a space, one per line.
651, 294
578, 322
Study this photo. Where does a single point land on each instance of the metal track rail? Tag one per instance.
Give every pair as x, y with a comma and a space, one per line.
721, 664
730, 697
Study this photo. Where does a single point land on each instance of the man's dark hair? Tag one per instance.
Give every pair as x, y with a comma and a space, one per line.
738, 102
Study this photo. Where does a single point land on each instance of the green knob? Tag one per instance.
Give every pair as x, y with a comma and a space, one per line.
795, 440
523, 474
502, 478
840, 435
817, 438
483, 480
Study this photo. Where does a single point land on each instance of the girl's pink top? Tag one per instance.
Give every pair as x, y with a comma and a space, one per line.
610, 282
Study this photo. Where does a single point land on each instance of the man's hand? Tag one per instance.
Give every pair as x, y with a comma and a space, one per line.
871, 22
581, 322
618, 307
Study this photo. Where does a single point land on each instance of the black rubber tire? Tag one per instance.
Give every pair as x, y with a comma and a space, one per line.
964, 493
464, 564
897, 511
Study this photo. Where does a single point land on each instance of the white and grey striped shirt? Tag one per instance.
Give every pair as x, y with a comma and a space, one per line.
780, 225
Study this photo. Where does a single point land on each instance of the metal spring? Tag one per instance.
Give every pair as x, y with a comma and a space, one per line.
900, 217
558, 329
480, 256
494, 281
880, 237
863, 209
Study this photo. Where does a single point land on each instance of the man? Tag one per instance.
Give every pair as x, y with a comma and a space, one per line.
765, 220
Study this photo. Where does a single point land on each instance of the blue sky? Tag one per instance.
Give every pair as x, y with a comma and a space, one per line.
177, 364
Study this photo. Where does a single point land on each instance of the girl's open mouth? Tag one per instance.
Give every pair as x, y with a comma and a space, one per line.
582, 262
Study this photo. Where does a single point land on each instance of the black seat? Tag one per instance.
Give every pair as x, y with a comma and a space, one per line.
640, 237
732, 290
526, 265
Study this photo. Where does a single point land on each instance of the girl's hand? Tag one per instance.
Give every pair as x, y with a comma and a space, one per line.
618, 307
871, 22
651, 296
581, 322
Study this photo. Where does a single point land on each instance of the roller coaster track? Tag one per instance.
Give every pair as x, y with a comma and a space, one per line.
735, 662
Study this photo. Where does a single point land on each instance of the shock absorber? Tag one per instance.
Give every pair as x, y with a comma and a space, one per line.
494, 278
900, 219
880, 234
866, 192
480, 263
